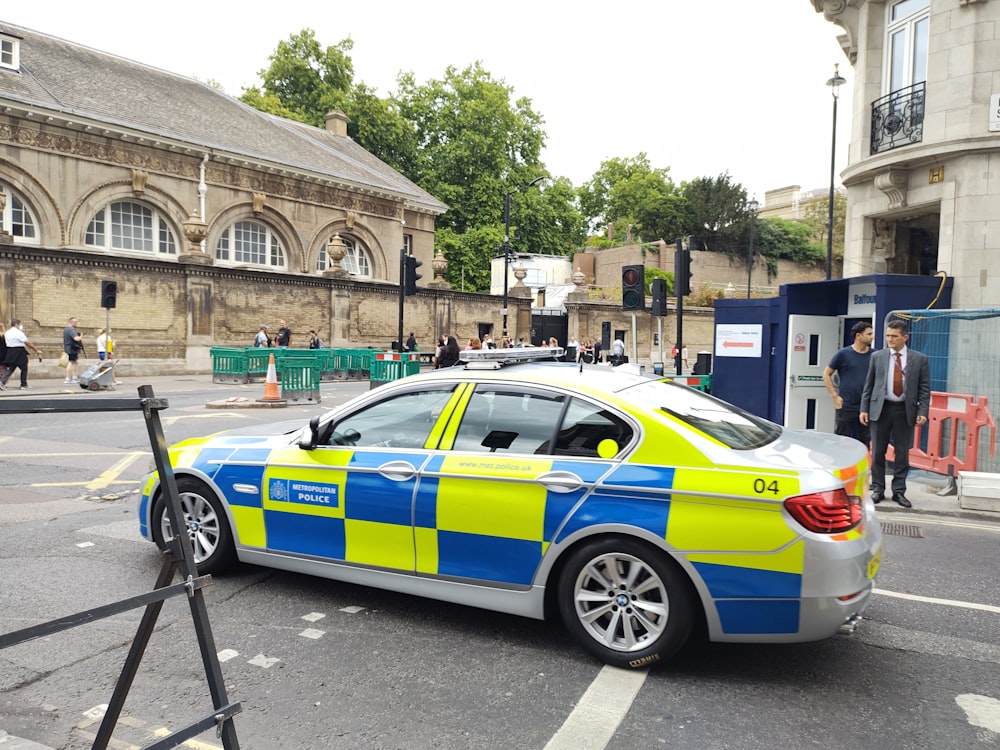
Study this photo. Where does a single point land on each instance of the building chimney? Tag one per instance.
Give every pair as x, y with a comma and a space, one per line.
336, 122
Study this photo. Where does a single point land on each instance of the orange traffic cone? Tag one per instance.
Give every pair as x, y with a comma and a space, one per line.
271, 383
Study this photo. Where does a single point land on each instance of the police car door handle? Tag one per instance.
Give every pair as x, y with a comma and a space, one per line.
398, 471
560, 481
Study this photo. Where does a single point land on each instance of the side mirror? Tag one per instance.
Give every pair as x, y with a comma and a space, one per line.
307, 444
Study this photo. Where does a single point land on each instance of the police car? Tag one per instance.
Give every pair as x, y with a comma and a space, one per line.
636, 508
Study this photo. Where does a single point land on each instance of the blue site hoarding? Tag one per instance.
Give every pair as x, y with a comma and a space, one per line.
750, 354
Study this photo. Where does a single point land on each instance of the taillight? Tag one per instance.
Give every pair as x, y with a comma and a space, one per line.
826, 512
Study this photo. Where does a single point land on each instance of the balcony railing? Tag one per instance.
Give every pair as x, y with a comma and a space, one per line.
898, 119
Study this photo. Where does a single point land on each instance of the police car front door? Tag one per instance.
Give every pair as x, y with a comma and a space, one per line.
351, 499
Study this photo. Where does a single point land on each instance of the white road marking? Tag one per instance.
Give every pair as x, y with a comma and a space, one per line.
981, 710
313, 617
263, 661
226, 654
177, 417
352, 610
942, 602
81, 545
312, 633
593, 722
985, 526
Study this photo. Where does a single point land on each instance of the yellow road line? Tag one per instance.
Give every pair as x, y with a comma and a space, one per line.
194, 744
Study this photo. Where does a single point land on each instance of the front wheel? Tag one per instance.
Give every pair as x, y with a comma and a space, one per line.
625, 602
206, 523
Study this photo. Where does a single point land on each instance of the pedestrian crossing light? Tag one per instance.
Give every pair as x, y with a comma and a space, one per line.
109, 294
410, 283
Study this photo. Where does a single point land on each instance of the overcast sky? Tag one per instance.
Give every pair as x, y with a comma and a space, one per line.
701, 86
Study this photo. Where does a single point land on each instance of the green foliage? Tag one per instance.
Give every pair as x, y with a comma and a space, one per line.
656, 273
305, 79
378, 126
718, 211
630, 191
473, 143
817, 216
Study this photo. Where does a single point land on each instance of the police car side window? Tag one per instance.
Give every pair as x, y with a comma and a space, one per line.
503, 421
403, 421
586, 426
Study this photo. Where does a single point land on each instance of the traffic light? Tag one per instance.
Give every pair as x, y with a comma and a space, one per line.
633, 288
410, 284
109, 294
682, 273
659, 291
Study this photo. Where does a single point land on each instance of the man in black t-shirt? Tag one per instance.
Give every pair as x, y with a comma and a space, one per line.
851, 365
284, 339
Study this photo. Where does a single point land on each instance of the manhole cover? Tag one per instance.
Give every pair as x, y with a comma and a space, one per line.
902, 529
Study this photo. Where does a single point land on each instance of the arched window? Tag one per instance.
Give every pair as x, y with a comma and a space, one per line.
250, 243
357, 261
133, 227
16, 217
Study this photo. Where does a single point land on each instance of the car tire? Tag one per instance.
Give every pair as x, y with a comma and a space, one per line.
626, 602
208, 526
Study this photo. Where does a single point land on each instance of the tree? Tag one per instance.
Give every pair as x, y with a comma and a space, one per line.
817, 216
630, 191
719, 211
463, 138
304, 80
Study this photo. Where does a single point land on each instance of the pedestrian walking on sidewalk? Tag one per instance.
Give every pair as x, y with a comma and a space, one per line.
72, 345
17, 345
896, 397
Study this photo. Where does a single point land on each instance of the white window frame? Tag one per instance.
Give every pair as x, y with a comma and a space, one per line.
158, 238
357, 261
25, 232
905, 29
266, 252
10, 52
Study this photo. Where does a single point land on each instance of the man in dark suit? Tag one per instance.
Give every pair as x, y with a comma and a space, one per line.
896, 396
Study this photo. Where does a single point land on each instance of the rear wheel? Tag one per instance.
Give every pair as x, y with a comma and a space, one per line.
206, 523
626, 602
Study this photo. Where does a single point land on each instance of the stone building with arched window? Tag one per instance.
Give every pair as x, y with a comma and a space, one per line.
212, 217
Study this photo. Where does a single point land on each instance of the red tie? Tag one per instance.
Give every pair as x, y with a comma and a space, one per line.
897, 376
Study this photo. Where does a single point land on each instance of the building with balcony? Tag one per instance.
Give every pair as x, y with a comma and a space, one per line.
923, 175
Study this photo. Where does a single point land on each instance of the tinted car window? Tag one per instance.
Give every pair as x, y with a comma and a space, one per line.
402, 421
726, 423
498, 420
586, 426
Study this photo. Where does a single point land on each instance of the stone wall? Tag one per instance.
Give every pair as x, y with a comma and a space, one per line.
169, 315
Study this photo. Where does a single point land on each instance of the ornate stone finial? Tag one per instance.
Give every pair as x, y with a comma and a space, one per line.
139, 177
336, 249
519, 289
579, 277
195, 231
259, 199
439, 265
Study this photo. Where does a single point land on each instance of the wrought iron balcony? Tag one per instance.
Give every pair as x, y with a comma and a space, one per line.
898, 119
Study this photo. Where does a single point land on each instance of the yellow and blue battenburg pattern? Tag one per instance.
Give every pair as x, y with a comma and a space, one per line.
484, 517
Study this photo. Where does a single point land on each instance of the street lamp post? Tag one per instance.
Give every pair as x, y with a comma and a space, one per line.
506, 248
753, 205
834, 83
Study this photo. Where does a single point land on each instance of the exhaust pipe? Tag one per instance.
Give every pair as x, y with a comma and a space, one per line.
850, 626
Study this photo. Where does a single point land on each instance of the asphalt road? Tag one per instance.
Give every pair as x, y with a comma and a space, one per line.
318, 664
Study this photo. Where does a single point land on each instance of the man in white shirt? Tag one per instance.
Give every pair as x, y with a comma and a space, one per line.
617, 351
17, 354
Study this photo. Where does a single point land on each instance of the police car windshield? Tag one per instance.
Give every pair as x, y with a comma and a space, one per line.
726, 423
